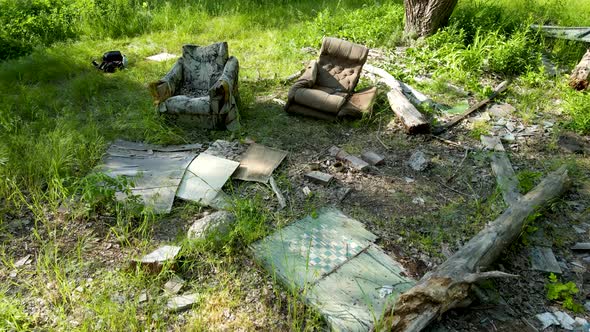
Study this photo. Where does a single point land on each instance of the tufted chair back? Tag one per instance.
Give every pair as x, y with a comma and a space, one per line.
202, 67
340, 64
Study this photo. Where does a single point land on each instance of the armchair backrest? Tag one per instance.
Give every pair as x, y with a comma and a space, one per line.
340, 64
202, 66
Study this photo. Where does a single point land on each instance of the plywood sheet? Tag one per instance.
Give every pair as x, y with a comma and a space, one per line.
258, 163
205, 177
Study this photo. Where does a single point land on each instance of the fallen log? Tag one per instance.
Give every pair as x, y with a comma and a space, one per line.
449, 285
498, 90
413, 120
581, 74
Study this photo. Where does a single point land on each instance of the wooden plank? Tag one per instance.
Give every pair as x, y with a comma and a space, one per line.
258, 163
505, 177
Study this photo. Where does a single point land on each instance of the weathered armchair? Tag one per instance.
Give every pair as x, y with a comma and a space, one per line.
201, 89
326, 89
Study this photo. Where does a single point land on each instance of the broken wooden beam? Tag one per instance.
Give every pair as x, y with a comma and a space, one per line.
581, 74
412, 119
355, 162
372, 158
448, 286
502, 169
498, 90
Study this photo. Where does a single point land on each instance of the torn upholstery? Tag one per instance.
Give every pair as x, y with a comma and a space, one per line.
201, 89
326, 88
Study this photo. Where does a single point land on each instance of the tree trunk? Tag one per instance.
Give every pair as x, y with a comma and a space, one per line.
448, 286
424, 17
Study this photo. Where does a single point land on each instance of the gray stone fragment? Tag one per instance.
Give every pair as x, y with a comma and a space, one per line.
501, 110
319, 177
581, 246
219, 221
543, 259
491, 143
174, 285
418, 161
161, 255
372, 158
182, 302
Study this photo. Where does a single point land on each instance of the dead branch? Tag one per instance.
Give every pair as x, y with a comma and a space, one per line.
449, 285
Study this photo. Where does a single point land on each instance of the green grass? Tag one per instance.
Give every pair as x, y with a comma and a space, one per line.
58, 114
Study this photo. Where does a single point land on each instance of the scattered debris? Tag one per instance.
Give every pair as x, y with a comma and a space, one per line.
497, 91
161, 57
418, 161
258, 163
143, 297
560, 318
219, 222
342, 193
355, 162
501, 110
372, 158
581, 246
581, 74
335, 259
409, 180
319, 177
174, 285
156, 171
277, 191
182, 302
543, 259
204, 178
23, 261
225, 149
491, 143
306, 191
157, 258
573, 143
418, 200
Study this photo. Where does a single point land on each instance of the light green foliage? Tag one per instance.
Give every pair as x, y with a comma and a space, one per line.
527, 180
564, 293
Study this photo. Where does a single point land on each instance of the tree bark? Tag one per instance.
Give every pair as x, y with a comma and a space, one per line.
448, 286
580, 77
425, 17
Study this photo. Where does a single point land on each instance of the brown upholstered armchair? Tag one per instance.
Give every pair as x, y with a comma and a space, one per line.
201, 89
326, 89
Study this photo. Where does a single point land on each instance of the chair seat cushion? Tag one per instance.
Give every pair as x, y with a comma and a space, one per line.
319, 100
186, 105
359, 103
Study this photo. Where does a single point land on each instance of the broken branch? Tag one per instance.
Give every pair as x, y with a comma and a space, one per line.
499, 89
448, 286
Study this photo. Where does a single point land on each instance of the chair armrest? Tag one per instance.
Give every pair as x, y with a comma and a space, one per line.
306, 80
168, 85
226, 85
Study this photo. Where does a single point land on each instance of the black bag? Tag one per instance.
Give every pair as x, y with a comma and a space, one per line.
111, 61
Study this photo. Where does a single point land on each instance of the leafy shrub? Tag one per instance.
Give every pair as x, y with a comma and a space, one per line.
28, 23
557, 291
577, 105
